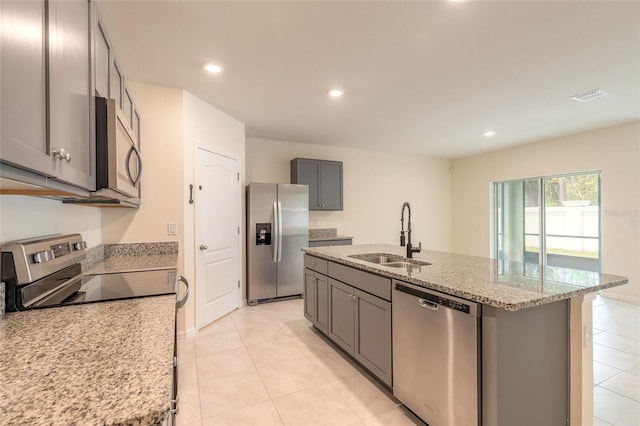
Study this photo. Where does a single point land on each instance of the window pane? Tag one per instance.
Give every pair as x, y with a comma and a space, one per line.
532, 221
572, 221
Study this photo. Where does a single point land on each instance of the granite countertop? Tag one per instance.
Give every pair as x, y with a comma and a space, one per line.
104, 363
505, 285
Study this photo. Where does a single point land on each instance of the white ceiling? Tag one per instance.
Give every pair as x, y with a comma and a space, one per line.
419, 77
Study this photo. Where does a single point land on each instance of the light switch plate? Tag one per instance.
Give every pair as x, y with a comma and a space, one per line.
172, 228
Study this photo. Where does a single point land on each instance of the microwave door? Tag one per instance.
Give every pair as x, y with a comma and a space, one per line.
128, 163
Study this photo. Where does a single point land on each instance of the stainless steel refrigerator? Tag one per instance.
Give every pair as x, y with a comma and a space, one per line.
277, 228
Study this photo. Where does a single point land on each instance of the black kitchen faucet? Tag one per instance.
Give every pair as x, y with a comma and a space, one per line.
410, 248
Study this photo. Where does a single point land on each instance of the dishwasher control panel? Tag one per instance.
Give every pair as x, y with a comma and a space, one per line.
436, 299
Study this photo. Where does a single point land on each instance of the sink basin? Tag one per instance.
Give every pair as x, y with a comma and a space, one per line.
401, 265
376, 258
391, 260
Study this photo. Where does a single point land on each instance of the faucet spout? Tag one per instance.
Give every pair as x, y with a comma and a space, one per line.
410, 248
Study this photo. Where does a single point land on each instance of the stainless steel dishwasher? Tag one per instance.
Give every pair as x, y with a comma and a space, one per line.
436, 355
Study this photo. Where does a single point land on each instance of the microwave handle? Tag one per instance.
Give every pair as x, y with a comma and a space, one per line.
135, 181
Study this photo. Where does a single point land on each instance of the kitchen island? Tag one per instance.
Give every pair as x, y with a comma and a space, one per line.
534, 352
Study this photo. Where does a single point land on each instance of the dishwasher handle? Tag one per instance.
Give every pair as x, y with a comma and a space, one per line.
428, 304
433, 300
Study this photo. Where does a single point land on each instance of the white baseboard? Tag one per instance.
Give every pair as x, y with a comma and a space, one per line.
184, 335
622, 297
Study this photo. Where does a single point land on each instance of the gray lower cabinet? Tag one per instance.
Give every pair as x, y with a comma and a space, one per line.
342, 310
360, 323
324, 178
315, 299
47, 125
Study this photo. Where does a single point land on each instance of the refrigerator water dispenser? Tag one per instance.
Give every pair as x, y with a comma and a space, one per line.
263, 234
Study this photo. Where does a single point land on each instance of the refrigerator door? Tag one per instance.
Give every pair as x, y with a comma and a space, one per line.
294, 212
261, 241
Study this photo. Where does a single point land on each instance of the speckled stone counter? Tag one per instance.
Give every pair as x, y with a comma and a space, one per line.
326, 234
505, 285
96, 364
132, 257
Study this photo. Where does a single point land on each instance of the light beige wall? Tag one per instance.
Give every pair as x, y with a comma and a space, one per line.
615, 151
209, 128
25, 217
375, 186
162, 191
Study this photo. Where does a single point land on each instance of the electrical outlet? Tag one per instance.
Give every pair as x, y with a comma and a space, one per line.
588, 334
172, 228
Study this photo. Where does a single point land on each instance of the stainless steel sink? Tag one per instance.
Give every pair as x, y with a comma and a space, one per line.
401, 265
391, 260
376, 258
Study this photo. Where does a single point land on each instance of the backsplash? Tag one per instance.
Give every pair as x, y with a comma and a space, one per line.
320, 233
101, 252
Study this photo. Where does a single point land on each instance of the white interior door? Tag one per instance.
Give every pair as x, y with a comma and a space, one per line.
217, 237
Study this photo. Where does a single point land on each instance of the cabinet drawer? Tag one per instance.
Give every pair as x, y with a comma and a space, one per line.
315, 263
365, 281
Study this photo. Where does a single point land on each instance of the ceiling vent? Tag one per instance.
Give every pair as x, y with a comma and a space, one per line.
591, 95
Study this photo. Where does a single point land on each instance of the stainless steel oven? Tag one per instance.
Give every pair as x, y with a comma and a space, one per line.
46, 272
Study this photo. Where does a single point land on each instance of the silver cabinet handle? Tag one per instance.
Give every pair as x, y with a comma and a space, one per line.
62, 154
427, 304
182, 301
203, 247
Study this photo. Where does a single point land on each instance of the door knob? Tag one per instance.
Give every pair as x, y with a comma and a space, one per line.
203, 247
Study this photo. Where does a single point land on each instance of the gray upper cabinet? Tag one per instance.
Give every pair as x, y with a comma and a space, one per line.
47, 125
23, 81
324, 179
103, 59
116, 88
71, 108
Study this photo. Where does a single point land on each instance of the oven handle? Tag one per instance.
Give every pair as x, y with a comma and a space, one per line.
182, 301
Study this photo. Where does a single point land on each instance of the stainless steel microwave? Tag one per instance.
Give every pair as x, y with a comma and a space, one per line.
118, 160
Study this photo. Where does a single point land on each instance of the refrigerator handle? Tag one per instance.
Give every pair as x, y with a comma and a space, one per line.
275, 232
279, 231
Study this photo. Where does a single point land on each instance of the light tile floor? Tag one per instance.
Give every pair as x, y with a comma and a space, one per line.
616, 363
265, 365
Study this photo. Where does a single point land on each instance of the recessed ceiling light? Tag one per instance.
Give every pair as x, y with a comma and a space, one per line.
589, 96
336, 93
488, 133
213, 68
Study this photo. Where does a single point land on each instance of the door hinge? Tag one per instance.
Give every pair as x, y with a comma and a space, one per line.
238, 176
238, 230
238, 283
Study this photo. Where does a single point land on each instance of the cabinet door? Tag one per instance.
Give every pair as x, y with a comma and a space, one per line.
322, 303
23, 81
373, 335
102, 62
116, 80
127, 106
307, 172
70, 92
309, 295
341, 315
331, 185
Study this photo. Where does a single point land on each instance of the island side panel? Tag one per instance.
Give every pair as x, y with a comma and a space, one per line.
581, 360
525, 366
